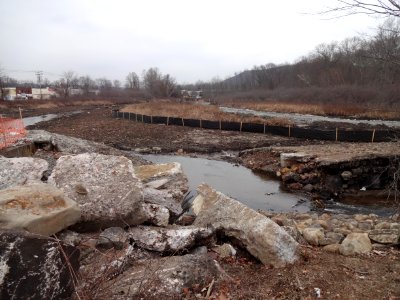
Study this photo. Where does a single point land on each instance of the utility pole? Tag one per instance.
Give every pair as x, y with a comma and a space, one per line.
39, 79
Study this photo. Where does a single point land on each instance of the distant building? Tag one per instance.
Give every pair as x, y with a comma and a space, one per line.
43, 93
8, 93
191, 95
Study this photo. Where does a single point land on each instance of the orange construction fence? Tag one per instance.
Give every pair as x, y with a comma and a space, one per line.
10, 131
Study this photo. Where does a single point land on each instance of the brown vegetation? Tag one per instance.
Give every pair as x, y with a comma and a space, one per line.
195, 111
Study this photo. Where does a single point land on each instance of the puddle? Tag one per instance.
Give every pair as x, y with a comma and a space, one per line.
34, 120
240, 183
306, 119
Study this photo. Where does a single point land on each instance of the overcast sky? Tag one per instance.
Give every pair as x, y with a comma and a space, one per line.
191, 40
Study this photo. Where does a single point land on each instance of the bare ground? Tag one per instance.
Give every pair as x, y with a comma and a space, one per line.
374, 276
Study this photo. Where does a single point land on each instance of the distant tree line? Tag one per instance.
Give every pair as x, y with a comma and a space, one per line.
151, 84
358, 61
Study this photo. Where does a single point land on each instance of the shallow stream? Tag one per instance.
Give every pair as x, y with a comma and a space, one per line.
256, 190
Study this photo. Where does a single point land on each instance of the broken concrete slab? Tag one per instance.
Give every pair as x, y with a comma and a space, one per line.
165, 278
261, 236
169, 239
38, 208
35, 267
105, 188
20, 170
155, 214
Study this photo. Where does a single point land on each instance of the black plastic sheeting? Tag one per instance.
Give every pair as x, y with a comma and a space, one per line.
210, 124
253, 127
175, 121
230, 126
341, 135
192, 123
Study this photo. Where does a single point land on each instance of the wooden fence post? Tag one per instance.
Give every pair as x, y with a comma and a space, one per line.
373, 136
289, 131
337, 131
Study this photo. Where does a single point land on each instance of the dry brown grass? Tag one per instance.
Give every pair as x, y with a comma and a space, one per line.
317, 109
195, 111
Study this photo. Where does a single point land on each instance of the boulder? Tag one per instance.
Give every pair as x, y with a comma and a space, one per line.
73, 145
162, 198
261, 236
38, 208
34, 267
20, 170
164, 185
165, 278
104, 186
170, 174
155, 214
113, 237
385, 236
331, 238
313, 236
169, 239
355, 243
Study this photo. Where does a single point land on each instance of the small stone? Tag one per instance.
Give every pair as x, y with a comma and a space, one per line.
355, 243
385, 236
346, 175
225, 250
365, 226
308, 187
331, 238
199, 250
332, 248
382, 225
360, 217
394, 226
113, 237
325, 217
323, 224
80, 189
313, 235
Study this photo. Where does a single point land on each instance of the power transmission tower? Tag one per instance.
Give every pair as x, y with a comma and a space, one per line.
39, 75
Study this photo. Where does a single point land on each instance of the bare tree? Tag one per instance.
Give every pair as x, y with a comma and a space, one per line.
117, 84
67, 81
377, 7
86, 84
132, 81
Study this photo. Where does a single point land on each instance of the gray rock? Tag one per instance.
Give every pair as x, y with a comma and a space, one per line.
346, 175
199, 250
157, 184
385, 236
169, 239
225, 250
20, 170
382, 225
262, 237
293, 232
331, 238
165, 278
355, 243
105, 187
113, 237
33, 267
176, 184
155, 214
313, 236
164, 199
70, 237
38, 208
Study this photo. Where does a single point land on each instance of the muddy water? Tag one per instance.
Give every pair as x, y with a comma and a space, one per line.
306, 119
34, 120
256, 191
259, 191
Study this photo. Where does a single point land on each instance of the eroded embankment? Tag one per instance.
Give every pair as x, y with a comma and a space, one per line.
367, 172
